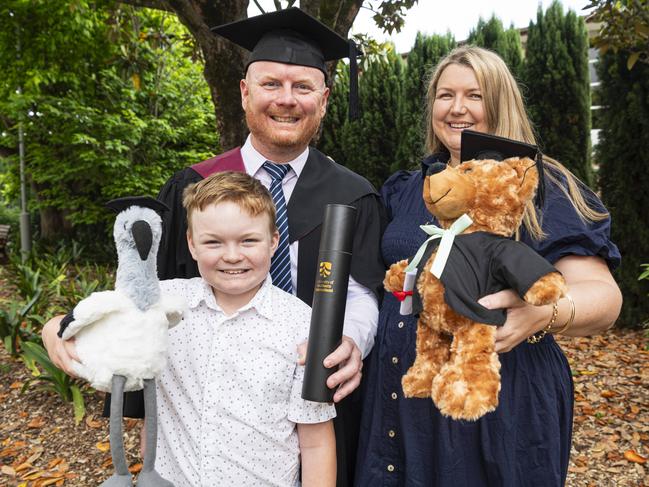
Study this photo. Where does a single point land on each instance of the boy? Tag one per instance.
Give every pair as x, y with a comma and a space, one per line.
229, 406
229, 398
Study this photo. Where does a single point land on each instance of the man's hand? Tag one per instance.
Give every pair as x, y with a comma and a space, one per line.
63, 353
348, 357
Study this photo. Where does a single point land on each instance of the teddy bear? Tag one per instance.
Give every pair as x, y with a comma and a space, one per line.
482, 201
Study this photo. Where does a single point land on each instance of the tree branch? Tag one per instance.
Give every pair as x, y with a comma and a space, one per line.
154, 4
259, 6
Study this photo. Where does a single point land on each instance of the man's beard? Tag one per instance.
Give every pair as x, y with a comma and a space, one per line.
260, 129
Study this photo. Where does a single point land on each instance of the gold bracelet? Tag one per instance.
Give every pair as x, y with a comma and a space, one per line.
570, 320
538, 336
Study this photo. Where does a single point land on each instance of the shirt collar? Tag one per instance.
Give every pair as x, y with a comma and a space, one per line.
253, 159
201, 291
262, 301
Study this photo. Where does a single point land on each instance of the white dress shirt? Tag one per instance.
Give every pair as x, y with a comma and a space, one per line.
230, 396
361, 311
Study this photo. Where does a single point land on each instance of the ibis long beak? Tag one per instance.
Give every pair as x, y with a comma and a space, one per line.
143, 238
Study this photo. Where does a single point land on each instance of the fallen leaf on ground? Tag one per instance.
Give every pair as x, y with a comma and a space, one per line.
632, 456
38, 422
23, 466
53, 463
93, 423
103, 446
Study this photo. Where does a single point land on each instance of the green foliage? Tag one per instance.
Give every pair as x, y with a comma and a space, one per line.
492, 35
390, 133
51, 281
47, 377
9, 216
112, 103
14, 327
388, 15
411, 124
367, 146
59, 276
623, 177
644, 274
558, 82
624, 28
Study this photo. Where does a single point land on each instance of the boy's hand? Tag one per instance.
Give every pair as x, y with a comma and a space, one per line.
63, 353
348, 357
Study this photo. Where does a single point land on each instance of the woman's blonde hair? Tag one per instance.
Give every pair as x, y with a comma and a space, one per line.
501, 95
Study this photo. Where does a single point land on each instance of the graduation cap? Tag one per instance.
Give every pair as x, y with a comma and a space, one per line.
292, 36
478, 145
120, 204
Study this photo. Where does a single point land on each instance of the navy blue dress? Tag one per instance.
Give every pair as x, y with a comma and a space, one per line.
526, 441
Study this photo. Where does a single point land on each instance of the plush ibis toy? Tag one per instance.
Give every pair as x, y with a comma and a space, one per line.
121, 335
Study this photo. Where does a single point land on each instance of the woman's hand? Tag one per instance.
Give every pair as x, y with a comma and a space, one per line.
596, 296
523, 319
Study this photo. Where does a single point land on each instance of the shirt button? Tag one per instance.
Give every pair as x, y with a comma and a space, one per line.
400, 325
391, 433
395, 360
393, 395
390, 468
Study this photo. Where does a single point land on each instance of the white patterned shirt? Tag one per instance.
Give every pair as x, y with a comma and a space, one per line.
230, 396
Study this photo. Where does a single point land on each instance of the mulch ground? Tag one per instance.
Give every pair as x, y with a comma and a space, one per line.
40, 444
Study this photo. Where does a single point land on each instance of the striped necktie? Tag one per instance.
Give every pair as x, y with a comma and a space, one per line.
280, 266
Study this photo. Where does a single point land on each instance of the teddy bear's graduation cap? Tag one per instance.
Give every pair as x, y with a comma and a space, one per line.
292, 36
478, 145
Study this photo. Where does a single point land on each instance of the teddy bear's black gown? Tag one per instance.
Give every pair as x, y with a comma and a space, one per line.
526, 441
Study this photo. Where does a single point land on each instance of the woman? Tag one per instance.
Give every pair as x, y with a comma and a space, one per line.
526, 441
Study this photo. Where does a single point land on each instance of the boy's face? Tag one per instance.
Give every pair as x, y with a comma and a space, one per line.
233, 251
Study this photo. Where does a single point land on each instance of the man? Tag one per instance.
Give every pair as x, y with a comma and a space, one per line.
284, 96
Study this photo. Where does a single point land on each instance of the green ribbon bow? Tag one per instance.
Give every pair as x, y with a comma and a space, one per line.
445, 244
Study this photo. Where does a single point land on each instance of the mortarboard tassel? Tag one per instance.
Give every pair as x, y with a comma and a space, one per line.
354, 103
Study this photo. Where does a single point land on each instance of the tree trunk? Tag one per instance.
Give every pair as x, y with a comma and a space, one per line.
53, 224
224, 62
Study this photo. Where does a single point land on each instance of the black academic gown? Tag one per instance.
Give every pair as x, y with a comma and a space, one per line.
493, 263
321, 182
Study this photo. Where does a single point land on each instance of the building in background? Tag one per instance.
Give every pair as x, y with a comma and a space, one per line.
592, 28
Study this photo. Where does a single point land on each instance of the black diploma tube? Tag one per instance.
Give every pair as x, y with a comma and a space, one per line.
329, 299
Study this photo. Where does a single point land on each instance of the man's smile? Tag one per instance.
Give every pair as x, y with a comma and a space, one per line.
290, 120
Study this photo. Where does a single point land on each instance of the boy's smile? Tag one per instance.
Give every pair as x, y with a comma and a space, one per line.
233, 251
